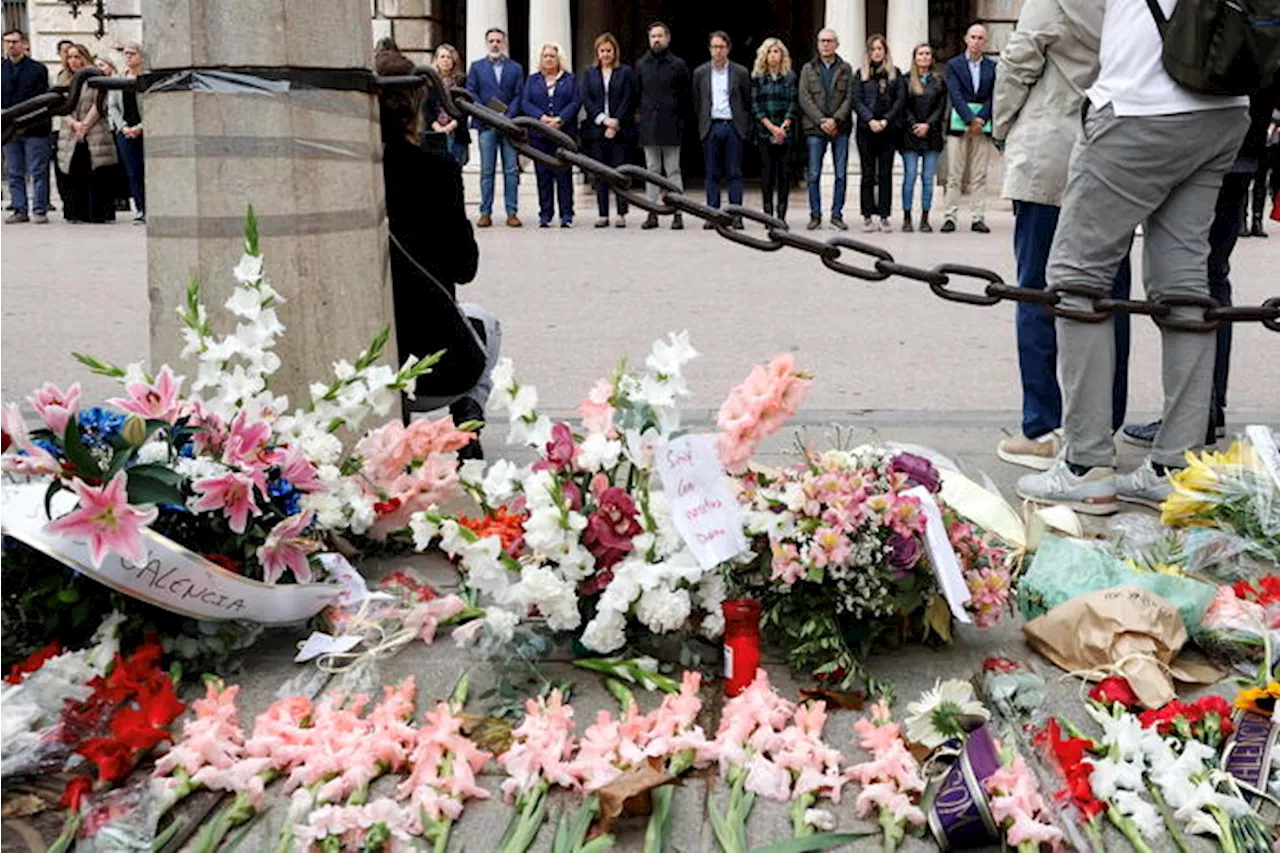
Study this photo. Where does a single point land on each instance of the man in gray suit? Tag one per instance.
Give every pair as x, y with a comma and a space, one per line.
722, 99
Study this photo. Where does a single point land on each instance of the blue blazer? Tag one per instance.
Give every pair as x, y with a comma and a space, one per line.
483, 83
564, 104
621, 100
960, 88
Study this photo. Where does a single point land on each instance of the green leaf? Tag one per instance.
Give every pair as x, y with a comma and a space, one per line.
156, 471
144, 489
820, 841
54, 487
79, 456
97, 365
251, 232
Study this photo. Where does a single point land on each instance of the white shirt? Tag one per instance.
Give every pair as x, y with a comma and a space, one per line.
497, 69
720, 92
605, 74
975, 74
1132, 77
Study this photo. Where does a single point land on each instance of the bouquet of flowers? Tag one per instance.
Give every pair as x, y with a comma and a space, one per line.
1233, 491
584, 536
843, 563
222, 468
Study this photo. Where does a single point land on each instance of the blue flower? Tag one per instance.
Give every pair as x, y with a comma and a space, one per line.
290, 499
48, 446
99, 427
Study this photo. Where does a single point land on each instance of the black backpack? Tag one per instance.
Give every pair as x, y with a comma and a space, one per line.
1220, 47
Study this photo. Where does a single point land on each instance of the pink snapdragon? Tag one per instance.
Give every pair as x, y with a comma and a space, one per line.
55, 406
232, 493
758, 408
891, 781
157, 400
105, 517
286, 548
1019, 809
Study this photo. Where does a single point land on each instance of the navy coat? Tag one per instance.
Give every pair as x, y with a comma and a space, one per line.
960, 89
482, 83
621, 100
564, 104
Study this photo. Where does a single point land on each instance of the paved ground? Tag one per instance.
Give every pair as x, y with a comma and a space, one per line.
892, 361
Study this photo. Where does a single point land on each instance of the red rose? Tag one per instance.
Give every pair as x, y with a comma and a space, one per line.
225, 562
386, 507
1114, 689
75, 791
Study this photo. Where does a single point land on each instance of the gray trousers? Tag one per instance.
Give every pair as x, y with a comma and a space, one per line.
665, 160
492, 351
1165, 171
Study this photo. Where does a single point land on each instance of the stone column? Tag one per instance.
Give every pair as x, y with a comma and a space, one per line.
481, 15
307, 159
907, 26
549, 22
849, 19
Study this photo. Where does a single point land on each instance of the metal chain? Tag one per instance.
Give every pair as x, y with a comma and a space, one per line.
865, 261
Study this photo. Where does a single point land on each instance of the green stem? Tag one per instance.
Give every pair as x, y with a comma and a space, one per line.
800, 805
1170, 823
659, 826
893, 831
68, 836
1128, 829
1227, 838
442, 836
1094, 833
213, 832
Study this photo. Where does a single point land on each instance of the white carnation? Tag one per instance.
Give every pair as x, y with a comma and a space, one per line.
606, 632
153, 452
554, 598
663, 609
501, 623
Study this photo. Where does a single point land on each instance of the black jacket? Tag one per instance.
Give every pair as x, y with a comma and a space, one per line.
431, 112
23, 80
622, 104
929, 107
879, 98
739, 98
430, 232
662, 98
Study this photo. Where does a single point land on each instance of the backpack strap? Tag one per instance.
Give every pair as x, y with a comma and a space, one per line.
1162, 23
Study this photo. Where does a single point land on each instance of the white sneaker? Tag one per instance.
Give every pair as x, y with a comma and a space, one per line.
1035, 453
1094, 493
1143, 486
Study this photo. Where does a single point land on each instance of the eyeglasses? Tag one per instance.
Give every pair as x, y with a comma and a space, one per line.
130, 53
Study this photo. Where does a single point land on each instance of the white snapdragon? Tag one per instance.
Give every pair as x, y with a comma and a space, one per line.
536, 434
500, 482
249, 269
424, 529
668, 358
452, 541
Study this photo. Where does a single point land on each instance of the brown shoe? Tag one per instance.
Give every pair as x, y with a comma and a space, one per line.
484, 221
513, 221
1036, 453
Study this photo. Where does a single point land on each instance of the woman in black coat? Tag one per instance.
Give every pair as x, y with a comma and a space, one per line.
878, 96
922, 134
607, 90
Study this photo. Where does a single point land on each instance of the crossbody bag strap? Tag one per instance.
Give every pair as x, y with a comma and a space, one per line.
1162, 23
466, 321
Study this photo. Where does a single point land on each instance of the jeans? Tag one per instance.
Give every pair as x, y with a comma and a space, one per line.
775, 177
490, 141
1033, 228
461, 151
131, 156
875, 157
911, 161
817, 147
28, 155
554, 185
1223, 234
722, 150
611, 152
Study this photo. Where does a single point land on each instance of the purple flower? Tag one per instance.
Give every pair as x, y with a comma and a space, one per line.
919, 471
904, 553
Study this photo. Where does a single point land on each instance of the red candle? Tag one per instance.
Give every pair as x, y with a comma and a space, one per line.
741, 644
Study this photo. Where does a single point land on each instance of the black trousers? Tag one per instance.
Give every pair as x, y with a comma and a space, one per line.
775, 175
875, 156
1223, 234
611, 152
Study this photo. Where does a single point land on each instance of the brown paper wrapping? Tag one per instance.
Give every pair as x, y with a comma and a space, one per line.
1125, 630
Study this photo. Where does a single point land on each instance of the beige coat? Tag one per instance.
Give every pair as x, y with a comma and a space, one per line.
102, 144
1044, 69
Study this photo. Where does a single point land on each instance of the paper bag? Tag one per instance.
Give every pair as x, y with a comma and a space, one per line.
1124, 630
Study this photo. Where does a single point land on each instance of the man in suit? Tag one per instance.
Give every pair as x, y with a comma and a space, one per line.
497, 76
722, 99
662, 96
971, 84
27, 153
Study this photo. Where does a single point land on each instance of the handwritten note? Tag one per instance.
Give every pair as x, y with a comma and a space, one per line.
946, 568
705, 512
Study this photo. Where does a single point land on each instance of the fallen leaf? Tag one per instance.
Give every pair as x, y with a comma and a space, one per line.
938, 618
628, 795
847, 700
22, 805
491, 734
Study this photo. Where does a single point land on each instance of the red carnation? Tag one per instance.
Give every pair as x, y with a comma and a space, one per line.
1113, 689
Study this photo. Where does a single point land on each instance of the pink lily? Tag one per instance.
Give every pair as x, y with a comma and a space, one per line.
287, 548
55, 406
154, 401
248, 444
28, 459
106, 519
232, 493
298, 470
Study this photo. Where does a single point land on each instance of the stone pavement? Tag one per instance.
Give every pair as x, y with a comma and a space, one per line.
892, 362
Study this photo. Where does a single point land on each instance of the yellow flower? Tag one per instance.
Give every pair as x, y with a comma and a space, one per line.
1200, 475
1181, 509
1260, 700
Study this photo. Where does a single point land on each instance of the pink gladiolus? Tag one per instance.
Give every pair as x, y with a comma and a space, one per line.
596, 410
1018, 807
212, 739
425, 437
287, 548
425, 618
232, 493
154, 401
444, 765
758, 408
106, 519
542, 747
55, 406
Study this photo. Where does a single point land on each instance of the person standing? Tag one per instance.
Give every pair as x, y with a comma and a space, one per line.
922, 116
1258, 178
1044, 69
826, 108
878, 98
774, 105
87, 152
27, 153
722, 100
971, 83
449, 63
662, 99
126, 122
1154, 152
497, 76
608, 101
551, 96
